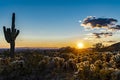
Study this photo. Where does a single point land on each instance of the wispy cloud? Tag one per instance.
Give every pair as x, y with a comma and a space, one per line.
111, 41
102, 34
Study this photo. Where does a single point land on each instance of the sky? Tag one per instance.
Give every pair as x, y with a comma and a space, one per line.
56, 23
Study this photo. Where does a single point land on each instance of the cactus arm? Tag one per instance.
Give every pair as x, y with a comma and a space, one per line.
13, 22
4, 30
6, 34
17, 33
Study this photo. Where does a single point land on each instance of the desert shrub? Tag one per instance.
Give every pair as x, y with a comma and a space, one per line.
35, 65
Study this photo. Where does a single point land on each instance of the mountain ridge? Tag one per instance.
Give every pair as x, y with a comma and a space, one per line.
113, 47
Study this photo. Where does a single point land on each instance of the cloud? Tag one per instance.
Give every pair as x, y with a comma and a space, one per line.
101, 27
110, 41
105, 26
102, 34
90, 36
79, 21
94, 35
93, 22
117, 27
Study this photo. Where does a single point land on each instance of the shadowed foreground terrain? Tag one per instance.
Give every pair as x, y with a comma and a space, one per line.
62, 64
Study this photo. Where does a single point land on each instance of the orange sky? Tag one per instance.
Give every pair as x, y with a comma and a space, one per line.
44, 43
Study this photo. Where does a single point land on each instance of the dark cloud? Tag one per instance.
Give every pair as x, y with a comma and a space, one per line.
117, 27
107, 24
102, 34
110, 41
93, 22
97, 35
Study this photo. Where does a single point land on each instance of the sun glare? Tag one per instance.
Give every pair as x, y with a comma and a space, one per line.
80, 45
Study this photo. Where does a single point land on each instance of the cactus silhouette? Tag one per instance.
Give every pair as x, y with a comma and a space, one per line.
10, 35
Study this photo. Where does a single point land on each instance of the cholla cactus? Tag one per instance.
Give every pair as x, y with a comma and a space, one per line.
56, 62
98, 64
107, 56
116, 75
92, 67
10, 35
116, 58
18, 63
70, 65
82, 66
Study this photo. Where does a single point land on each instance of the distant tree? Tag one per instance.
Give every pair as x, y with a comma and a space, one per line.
10, 35
98, 46
67, 49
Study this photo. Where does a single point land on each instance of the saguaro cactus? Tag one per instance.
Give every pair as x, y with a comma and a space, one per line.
10, 35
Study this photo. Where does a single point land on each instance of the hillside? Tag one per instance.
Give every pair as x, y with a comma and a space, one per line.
114, 47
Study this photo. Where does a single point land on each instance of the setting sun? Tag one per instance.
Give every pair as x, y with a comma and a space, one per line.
80, 45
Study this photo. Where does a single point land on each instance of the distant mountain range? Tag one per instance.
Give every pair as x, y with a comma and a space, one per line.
113, 47
29, 48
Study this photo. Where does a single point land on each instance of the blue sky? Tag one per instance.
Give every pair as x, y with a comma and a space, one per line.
53, 22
